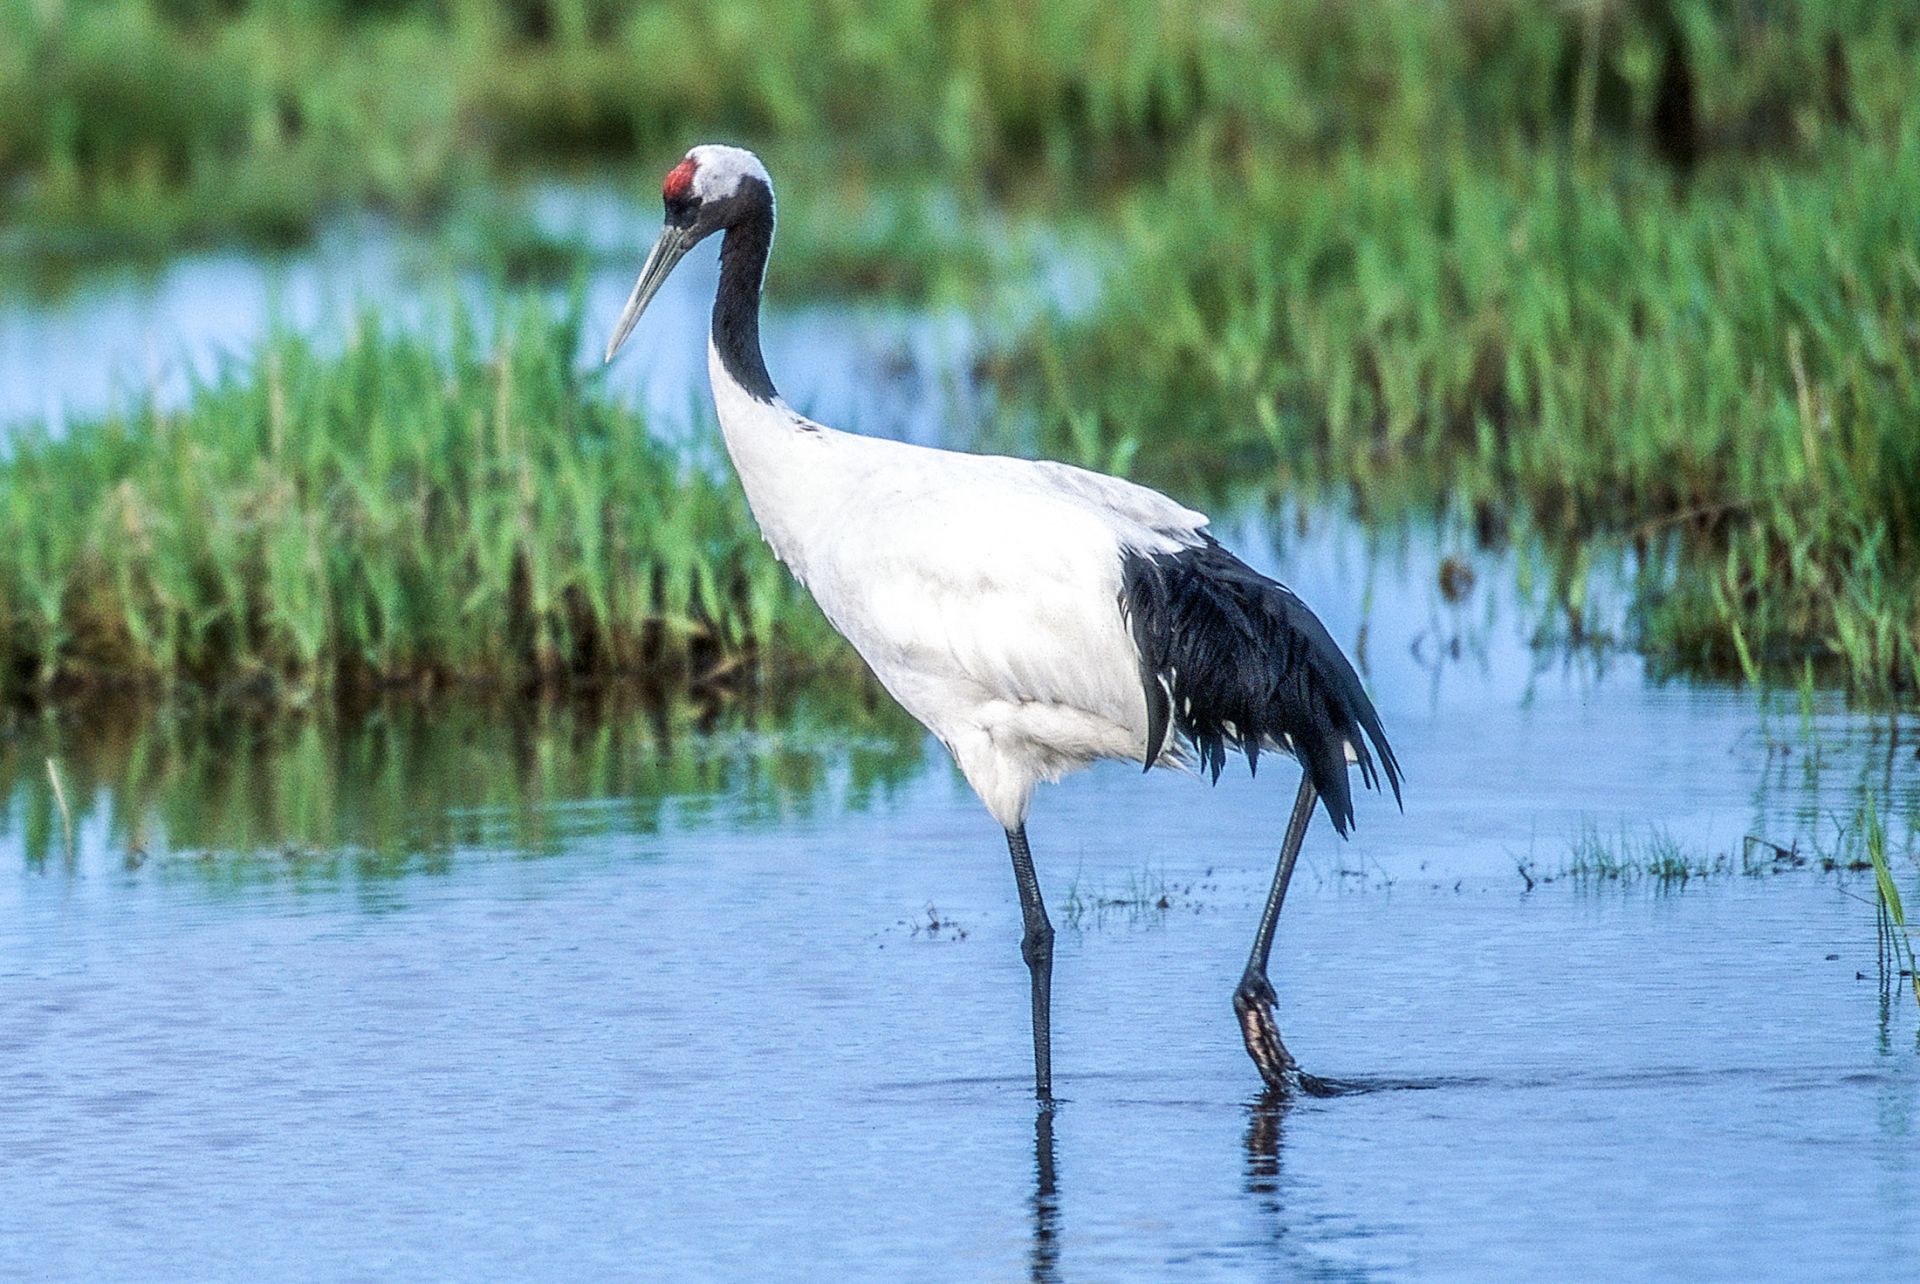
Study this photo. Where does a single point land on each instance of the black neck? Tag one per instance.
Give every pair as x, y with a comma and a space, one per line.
736, 308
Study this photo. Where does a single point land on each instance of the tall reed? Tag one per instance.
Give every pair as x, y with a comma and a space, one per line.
397, 512
1582, 340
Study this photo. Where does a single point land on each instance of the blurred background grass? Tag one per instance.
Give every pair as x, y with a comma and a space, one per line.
1614, 271
156, 119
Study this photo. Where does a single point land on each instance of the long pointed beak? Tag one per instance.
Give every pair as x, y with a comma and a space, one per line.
672, 246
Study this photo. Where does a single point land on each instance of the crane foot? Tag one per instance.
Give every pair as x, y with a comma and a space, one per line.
1254, 1003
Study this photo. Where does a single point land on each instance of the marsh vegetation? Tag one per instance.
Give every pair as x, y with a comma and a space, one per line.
391, 515
1637, 280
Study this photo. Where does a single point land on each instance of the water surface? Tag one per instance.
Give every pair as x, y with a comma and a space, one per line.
125, 335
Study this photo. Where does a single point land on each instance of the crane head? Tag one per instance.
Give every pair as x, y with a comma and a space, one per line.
712, 188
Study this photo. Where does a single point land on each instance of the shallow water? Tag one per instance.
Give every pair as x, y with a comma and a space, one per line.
121, 336
681, 993
573, 994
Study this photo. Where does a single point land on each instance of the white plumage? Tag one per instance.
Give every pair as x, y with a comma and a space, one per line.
984, 591
1034, 616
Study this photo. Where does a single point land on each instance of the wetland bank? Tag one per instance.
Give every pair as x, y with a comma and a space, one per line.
447, 772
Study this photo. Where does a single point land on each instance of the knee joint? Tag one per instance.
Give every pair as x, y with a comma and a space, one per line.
1036, 946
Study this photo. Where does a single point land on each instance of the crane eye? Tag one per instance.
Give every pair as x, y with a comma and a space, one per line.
681, 211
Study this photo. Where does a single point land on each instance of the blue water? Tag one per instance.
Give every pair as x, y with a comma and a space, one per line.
133, 334
723, 1056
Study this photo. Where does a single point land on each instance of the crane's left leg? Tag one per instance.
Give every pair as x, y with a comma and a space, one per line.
1253, 1001
1036, 947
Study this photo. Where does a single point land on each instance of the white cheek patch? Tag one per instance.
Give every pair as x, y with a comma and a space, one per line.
719, 170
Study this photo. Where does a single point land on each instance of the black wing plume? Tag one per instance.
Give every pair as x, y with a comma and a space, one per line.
1233, 660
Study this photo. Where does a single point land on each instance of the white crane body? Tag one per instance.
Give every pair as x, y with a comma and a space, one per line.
1034, 616
984, 592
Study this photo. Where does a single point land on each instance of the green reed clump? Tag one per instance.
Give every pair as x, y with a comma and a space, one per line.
1585, 338
398, 512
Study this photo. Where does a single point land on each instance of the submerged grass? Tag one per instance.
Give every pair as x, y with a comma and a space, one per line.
1655, 855
1890, 913
399, 513
1146, 895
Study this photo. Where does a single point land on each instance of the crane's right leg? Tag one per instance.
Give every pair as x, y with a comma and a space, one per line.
1036, 947
1253, 1001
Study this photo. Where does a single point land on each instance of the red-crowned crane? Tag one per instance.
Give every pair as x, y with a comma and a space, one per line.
1036, 617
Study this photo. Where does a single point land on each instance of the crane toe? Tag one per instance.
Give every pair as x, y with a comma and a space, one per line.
1254, 1004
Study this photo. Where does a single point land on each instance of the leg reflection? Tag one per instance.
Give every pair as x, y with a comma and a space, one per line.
1044, 1260
1265, 1120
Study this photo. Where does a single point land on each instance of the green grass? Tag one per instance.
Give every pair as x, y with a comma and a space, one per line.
1896, 938
401, 513
1723, 372
1656, 856
149, 121
1616, 271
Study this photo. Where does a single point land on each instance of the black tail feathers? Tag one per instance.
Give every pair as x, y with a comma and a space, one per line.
1235, 661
